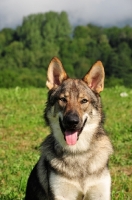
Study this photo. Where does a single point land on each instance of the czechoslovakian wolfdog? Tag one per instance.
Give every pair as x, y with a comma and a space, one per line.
74, 157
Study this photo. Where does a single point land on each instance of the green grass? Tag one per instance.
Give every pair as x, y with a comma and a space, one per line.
22, 130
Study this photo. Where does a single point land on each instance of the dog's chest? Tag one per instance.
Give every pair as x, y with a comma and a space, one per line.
75, 175
77, 168
74, 189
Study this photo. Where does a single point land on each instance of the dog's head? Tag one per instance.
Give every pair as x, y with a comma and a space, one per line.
73, 108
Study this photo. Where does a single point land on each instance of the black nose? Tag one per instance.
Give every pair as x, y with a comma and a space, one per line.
71, 120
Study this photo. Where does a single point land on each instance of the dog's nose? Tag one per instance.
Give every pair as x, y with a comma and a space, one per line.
71, 120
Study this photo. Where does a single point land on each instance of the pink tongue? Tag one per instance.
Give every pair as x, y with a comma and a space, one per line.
71, 137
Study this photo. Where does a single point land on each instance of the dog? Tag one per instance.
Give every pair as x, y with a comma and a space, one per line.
74, 158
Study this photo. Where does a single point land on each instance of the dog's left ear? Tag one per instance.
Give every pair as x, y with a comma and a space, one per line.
56, 73
95, 77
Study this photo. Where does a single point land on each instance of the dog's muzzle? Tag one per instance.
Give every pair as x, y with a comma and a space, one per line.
71, 127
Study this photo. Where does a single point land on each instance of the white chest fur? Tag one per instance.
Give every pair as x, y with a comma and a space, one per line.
92, 187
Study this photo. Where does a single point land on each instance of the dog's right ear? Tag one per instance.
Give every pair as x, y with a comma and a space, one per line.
56, 73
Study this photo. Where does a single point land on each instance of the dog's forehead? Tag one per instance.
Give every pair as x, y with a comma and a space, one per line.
76, 87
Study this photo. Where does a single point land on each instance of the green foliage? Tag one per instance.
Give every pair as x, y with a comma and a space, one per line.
32, 45
22, 130
112, 82
23, 77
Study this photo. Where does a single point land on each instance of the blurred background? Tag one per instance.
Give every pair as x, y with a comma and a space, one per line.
78, 32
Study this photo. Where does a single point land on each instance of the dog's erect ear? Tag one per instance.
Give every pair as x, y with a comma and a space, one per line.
56, 73
95, 77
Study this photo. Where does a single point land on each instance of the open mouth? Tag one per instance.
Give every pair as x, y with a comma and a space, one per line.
71, 135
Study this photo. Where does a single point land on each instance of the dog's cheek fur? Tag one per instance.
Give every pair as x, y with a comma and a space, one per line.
53, 118
53, 96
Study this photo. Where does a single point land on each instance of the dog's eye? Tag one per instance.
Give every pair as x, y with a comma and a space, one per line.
84, 101
63, 99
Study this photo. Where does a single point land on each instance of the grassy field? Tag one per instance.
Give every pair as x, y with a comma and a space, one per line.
22, 130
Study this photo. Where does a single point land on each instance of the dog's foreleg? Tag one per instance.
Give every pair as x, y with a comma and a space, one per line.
101, 191
64, 189
98, 195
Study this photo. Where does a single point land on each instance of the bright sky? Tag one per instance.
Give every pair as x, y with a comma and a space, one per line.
101, 12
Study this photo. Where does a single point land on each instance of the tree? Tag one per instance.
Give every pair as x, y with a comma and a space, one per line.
26, 51
15, 51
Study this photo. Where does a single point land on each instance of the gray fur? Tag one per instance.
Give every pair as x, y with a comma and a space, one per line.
80, 171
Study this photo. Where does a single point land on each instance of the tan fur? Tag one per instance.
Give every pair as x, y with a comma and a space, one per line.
76, 171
